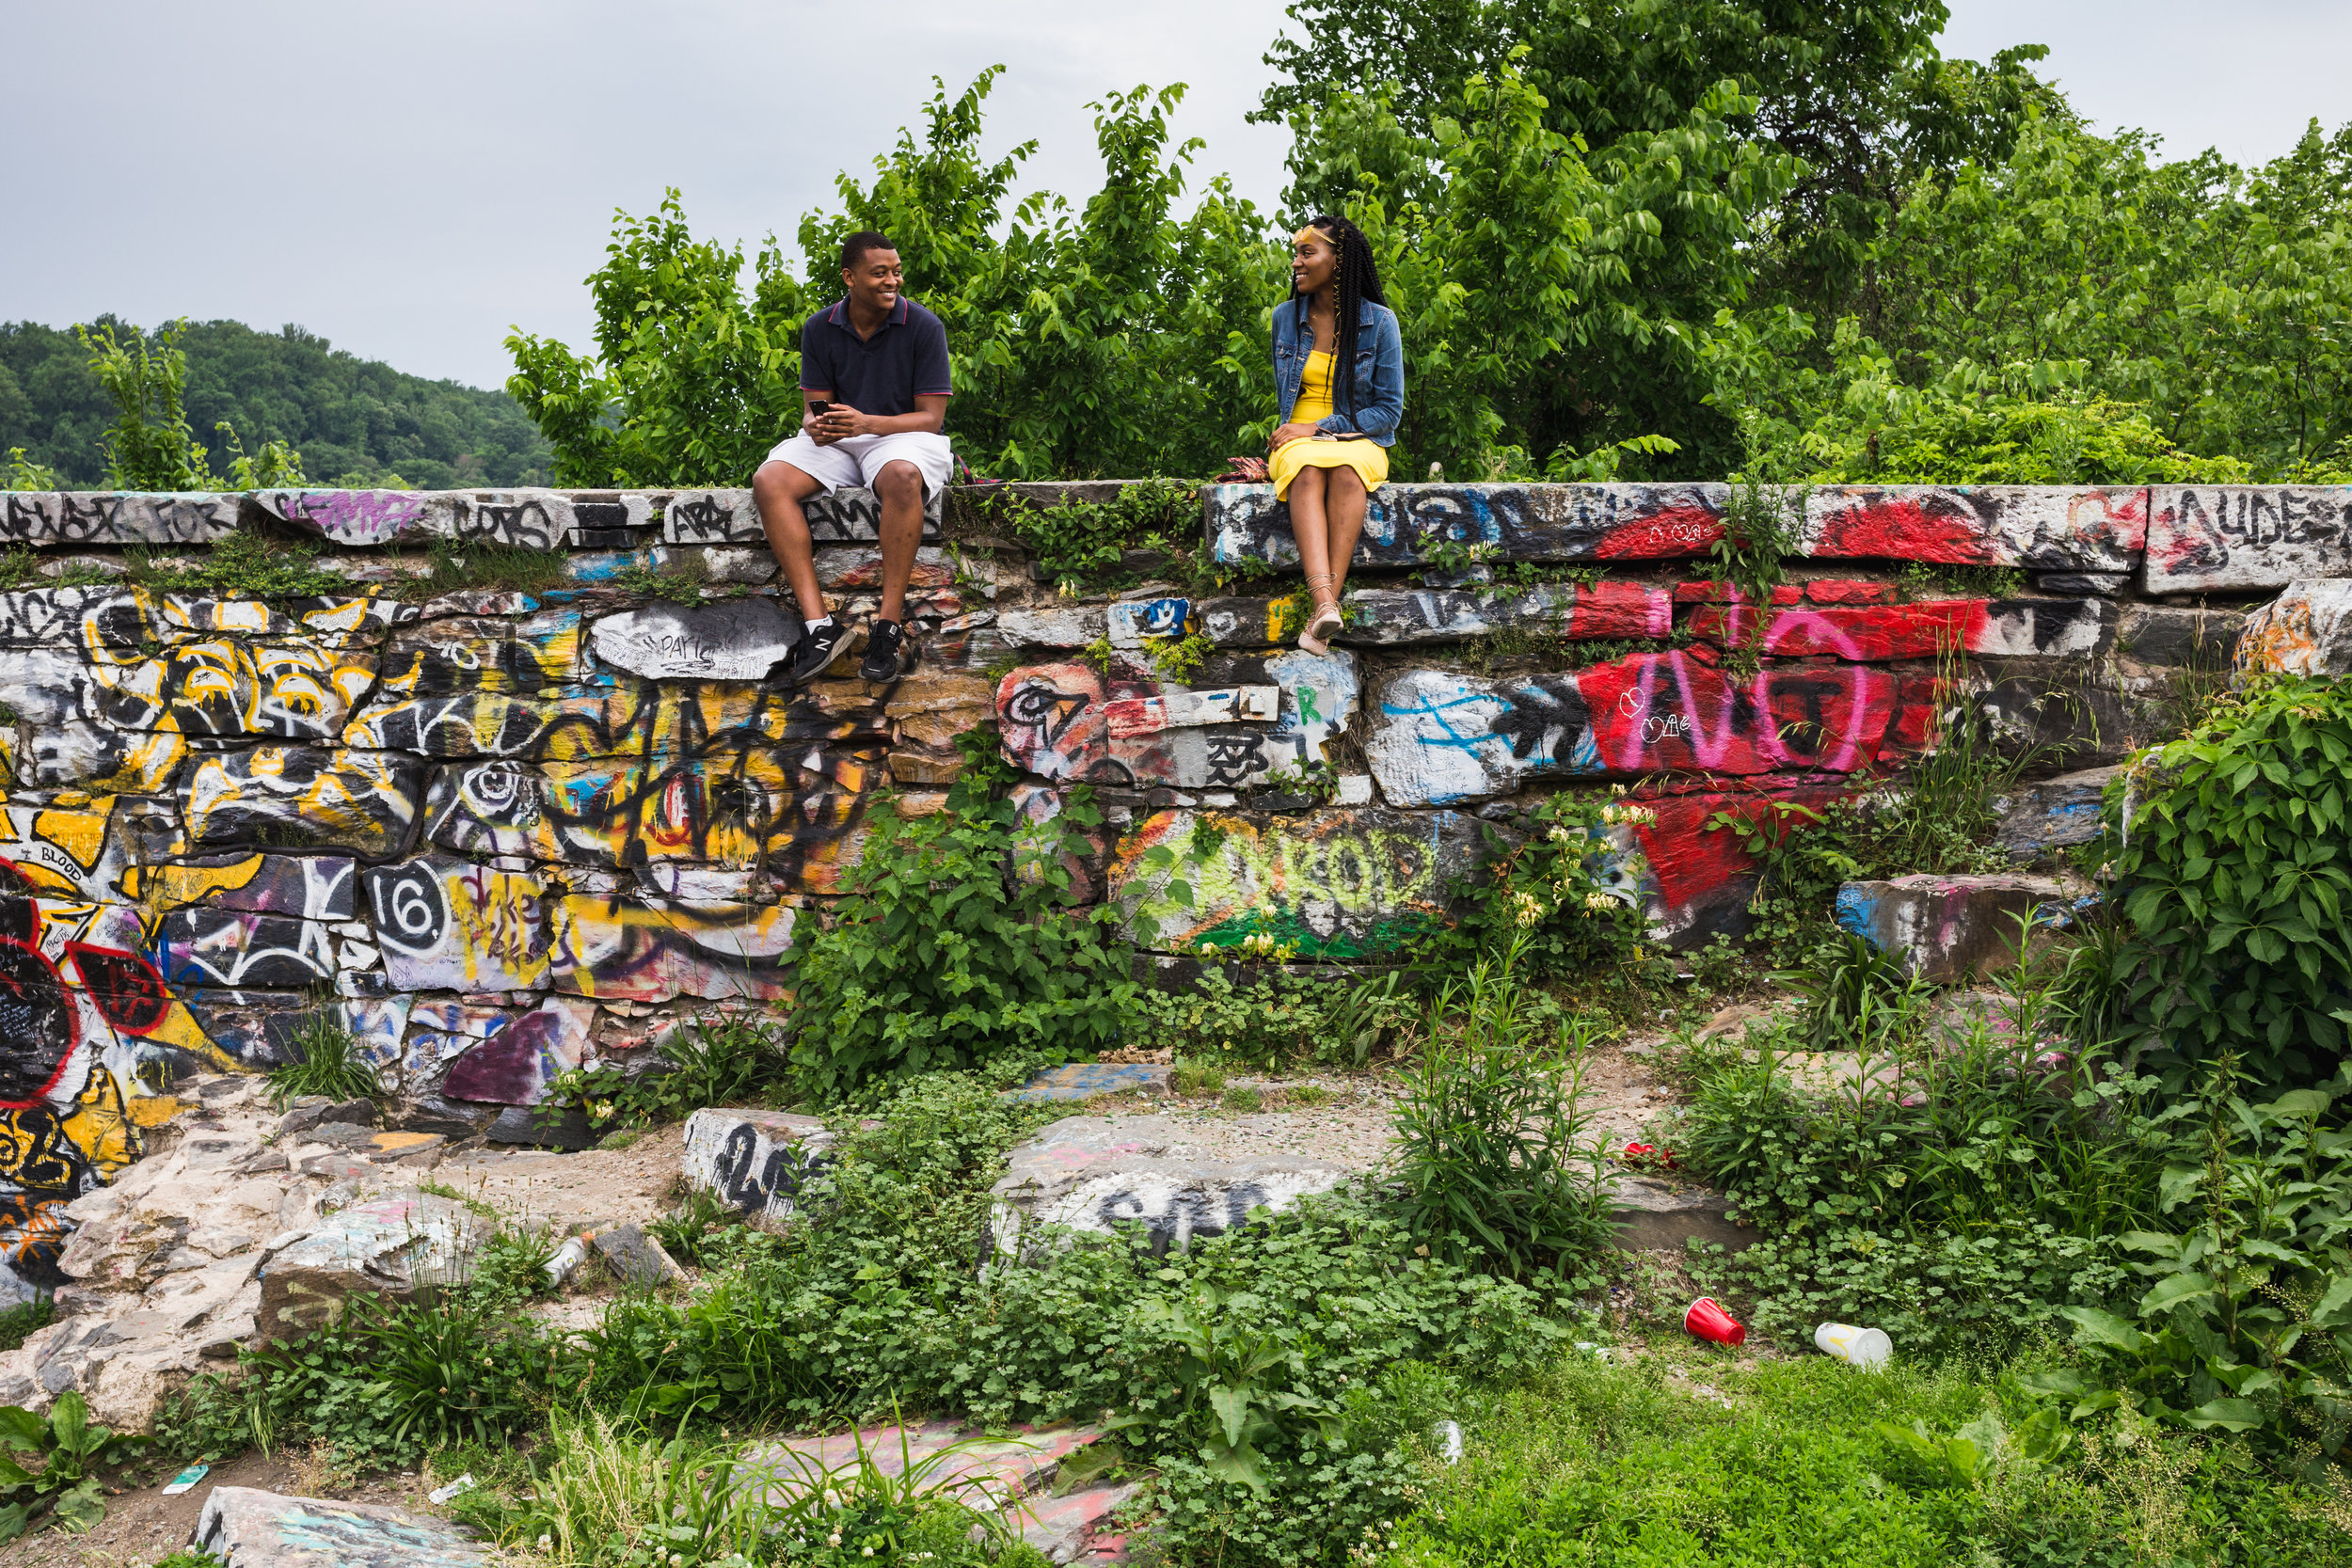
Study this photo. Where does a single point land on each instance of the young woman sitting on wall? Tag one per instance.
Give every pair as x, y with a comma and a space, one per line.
1339, 371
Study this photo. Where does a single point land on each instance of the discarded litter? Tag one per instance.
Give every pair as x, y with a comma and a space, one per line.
184, 1479
1450, 1441
1709, 1320
1866, 1348
443, 1494
1593, 1348
566, 1258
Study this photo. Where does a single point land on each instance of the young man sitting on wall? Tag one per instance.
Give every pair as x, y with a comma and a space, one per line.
874, 391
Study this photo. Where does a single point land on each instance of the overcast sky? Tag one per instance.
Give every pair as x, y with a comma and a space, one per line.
411, 180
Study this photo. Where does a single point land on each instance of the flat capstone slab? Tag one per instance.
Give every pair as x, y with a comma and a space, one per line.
755, 1161
1090, 1080
1947, 928
1101, 1173
247, 1528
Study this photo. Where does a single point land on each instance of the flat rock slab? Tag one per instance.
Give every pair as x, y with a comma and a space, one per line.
1095, 1173
2055, 813
386, 1247
524, 1124
636, 1258
1078, 1526
1087, 1080
728, 641
1946, 928
247, 1528
1653, 1214
753, 1160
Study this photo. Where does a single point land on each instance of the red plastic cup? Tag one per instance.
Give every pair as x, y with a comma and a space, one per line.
1709, 1321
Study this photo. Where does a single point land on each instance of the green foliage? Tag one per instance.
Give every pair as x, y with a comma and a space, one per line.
1563, 897
1856, 998
24, 1318
324, 1059
2236, 853
1490, 1153
456, 564
682, 581
958, 943
2246, 1325
66, 1489
1085, 539
1273, 1017
249, 563
22, 473
730, 1061
357, 422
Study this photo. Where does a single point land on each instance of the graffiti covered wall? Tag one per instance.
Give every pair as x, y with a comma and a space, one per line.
495, 835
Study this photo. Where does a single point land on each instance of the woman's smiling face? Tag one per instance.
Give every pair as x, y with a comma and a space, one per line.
1315, 261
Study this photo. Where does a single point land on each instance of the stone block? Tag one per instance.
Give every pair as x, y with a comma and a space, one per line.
1132, 728
49, 518
734, 639
1338, 884
635, 1257
2055, 813
2206, 538
1097, 1172
313, 1110
359, 518
247, 1528
2307, 630
2104, 585
729, 517
2061, 528
1090, 1080
2180, 637
755, 1162
1080, 1526
915, 768
2009, 628
387, 1247
364, 802
1403, 523
534, 1128
1388, 617
1949, 928
1653, 1215
1055, 626
1137, 623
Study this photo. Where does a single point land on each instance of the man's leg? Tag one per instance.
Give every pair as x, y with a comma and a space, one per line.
778, 489
900, 489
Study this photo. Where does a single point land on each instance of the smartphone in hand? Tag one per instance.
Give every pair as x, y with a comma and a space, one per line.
819, 405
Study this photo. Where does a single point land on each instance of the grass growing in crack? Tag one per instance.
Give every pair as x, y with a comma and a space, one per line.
455, 566
324, 1060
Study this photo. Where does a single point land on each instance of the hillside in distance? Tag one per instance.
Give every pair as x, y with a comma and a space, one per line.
356, 423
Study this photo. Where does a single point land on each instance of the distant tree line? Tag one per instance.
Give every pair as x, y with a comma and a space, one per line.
354, 421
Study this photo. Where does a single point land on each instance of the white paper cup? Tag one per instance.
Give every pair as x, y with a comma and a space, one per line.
1866, 1348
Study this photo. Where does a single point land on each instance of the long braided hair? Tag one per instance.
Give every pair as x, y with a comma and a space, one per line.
1359, 281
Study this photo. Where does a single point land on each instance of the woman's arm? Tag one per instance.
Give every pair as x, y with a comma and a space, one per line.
1385, 410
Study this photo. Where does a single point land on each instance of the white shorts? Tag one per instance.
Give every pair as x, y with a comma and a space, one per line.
853, 462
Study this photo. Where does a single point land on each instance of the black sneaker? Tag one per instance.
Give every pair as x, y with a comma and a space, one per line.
888, 655
818, 648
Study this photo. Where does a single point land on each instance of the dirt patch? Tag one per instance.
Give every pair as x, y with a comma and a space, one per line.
591, 1190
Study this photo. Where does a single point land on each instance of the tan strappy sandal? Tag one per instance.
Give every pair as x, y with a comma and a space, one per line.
1327, 621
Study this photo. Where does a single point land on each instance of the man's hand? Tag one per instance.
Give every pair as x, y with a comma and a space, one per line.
1284, 435
839, 422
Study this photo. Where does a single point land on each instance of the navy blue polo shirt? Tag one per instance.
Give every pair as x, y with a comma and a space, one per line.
904, 359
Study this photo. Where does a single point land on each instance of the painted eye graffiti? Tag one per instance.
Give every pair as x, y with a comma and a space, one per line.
38, 1019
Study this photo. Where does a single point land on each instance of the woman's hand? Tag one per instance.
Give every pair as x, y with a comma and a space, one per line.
1284, 435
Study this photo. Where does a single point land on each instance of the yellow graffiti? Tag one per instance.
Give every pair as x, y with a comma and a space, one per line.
81, 834
103, 1128
1371, 874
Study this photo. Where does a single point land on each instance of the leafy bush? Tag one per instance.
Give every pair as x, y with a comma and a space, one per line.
1565, 897
1275, 1018
324, 1059
2237, 854
1856, 998
66, 1489
731, 1061
1083, 539
958, 943
1488, 1151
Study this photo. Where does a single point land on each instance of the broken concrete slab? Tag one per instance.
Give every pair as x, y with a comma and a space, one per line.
312, 1110
755, 1161
1098, 1173
247, 1528
1949, 928
570, 1130
1089, 1080
1078, 1526
2052, 814
635, 1257
2307, 630
386, 1247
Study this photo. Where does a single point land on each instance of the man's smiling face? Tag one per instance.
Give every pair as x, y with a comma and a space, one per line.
874, 278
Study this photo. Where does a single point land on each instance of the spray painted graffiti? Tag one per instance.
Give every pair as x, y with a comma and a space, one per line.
2228, 536
365, 802
1609, 609
635, 718
2306, 630
2055, 527
729, 517
1339, 884
2004, 629
740, 640
361, 518
754, 1162
498, 1055
86, 517
1130, 728
1518, 522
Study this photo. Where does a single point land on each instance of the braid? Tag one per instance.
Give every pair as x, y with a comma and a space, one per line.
1358, 281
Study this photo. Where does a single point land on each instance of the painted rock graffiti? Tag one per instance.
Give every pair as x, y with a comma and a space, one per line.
1516, 522
1609, 609
2006, 628
365, 802
2306, 630
2060, 527
1337, 884
740, 640
728, 518
2225, 536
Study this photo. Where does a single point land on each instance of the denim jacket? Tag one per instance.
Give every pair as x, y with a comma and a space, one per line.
1379, 374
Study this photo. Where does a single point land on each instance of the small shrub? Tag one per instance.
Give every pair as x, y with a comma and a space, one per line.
1567, 896
1244, 1100
1856, 997
20, 1323
326, 1061
247, 562
454, 566
731, 1061
66, 1490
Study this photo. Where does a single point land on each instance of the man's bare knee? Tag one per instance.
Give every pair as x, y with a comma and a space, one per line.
776, 481
899, 481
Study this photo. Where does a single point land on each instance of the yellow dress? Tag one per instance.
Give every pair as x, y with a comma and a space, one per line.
1370, 459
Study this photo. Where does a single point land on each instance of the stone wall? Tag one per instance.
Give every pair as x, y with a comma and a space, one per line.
504, 833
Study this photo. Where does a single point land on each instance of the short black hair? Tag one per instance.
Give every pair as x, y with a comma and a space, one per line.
859, 244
